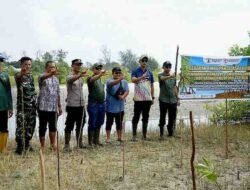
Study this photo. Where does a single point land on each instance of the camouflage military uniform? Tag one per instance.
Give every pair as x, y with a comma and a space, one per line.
26, 110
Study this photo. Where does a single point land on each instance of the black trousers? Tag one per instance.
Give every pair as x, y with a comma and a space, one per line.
171, 109
4, 121
141, 107
46, 117
75, 115
110, 120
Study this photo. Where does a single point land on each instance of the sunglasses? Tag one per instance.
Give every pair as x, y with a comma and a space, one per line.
144, 60
78, 64
118, 73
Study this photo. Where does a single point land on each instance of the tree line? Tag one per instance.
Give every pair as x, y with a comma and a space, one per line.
128, 60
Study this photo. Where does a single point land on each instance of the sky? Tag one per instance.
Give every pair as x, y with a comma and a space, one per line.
152, 27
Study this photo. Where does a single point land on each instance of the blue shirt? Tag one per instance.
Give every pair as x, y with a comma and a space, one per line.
113, 105
139, 72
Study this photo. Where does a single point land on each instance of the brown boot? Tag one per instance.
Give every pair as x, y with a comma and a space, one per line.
52, 137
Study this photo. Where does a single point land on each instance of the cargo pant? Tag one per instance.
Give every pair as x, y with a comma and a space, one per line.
25, 125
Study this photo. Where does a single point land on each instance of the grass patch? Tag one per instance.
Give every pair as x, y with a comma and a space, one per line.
148, 164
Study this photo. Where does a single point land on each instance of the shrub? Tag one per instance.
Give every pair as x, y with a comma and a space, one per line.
238, 112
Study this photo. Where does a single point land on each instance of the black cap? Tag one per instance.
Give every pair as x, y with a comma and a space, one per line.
167, 64
97, 65
143, 57
76, 62
116, 69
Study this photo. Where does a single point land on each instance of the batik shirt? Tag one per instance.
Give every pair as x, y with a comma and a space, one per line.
49, 94
25, 92
142, 91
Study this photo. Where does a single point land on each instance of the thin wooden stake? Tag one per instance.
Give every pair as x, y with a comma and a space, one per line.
123, 161
58, 160
193, 150
42, 169
123, 143
57, 150
175, 74
58, 155
226, 130
181, 126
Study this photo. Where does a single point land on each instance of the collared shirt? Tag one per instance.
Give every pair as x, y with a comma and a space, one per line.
142, 90
113, 105
5, 92
167, 90
26, 95
49, 94
75, 94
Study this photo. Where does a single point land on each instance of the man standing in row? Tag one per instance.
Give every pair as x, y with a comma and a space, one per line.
143, 96
48, 102
96, 104
6, 107
75, 107
168, 99
117, 91
26, 106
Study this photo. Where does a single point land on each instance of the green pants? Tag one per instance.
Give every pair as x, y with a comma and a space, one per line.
25, 125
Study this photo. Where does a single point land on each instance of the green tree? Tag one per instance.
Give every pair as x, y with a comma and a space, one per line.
58, 56
61, 55
236, 50
128, 59
106, 60
47, 56
152, 64
238, 112
63, 69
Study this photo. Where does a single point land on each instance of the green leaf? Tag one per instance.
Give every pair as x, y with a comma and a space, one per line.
206, 170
